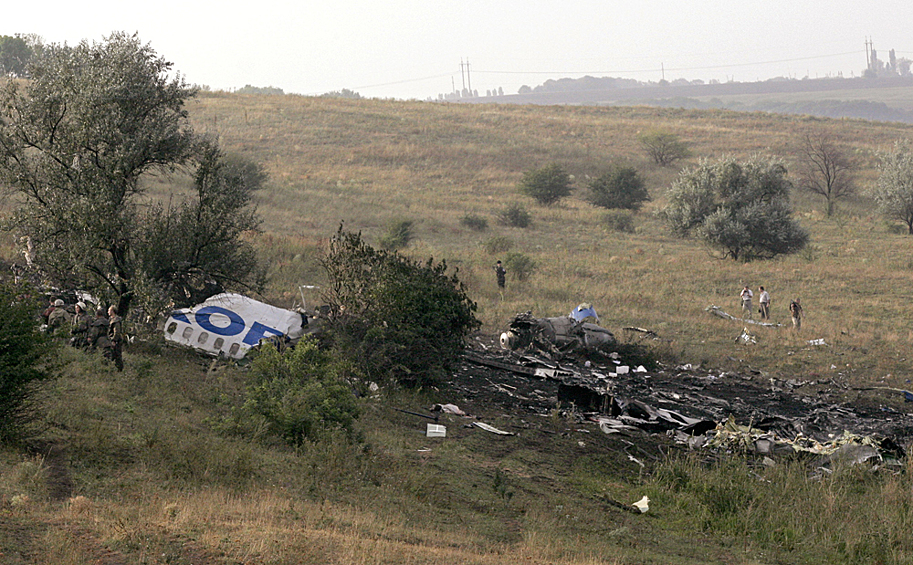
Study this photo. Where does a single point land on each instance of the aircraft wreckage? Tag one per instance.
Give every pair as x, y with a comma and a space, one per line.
701, 408
229, 325
560, 336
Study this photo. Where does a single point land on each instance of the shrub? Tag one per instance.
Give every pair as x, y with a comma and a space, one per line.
393, 317
23, 350
474, 222
741, 209
515, 216
663, 148
620, 187
619, 220
519, 266
398, 235
547, 185
497, 244
300, 393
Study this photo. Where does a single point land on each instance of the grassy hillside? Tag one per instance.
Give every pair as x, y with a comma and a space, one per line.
145, 466
369, 162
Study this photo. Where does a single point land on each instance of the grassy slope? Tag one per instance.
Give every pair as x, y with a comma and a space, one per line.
161, 484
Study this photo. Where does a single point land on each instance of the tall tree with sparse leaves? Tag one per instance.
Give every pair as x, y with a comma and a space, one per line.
825, 169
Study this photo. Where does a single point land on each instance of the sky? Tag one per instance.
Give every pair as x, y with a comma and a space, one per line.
420, 49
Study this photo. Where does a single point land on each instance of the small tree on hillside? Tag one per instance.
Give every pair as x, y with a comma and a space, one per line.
546, 185
393, 317
620, 187
663, 148
22, 351
893, 191
826, 170
739, 209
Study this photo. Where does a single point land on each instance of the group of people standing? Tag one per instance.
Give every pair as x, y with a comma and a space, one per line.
747, 296
104, 332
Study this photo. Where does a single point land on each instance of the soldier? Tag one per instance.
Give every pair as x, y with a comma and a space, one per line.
58, 317
500, 272
80, 329
116, 337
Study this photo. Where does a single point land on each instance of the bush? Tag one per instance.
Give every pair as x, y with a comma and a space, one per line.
620, 187
300, 393
547, 185
515, 216
663, 148
741, 209
619, 220
399, 234
393, 317
498, 244
474, 222
519, 266
23, 350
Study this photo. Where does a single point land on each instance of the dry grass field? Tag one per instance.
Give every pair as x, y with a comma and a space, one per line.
138, 468
367, 163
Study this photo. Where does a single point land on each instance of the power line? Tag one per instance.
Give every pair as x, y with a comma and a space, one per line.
653, 70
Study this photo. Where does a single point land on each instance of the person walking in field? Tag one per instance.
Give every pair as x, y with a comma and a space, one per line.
795, 310
746, 295
500, 273
764, 303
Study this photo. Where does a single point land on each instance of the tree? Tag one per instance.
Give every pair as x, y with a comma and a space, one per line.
740, 209
620, 187
663, 148
75, 142
546, 185
394, 317
23, 349
825, 169
893, 191
193, 250
15, 53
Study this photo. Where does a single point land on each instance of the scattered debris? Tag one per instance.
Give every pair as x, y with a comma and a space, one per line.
819, 341
717, 311
491, 429
436, 430
448, 409
643, 504
746, 337
584, 311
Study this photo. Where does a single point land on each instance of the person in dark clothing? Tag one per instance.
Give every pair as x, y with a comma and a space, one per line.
500, 273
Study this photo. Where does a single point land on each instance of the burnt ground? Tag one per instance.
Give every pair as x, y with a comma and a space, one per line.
685, 403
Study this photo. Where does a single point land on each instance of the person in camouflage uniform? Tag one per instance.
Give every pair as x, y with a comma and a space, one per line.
98, 332
116, 337
80, 329
59, 317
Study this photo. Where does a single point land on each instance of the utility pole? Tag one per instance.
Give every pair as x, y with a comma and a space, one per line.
468, 76
462, 74
868, 53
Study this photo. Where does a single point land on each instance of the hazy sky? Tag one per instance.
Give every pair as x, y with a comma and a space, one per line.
414, 49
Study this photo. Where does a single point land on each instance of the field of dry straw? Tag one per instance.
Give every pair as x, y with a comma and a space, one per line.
367, 163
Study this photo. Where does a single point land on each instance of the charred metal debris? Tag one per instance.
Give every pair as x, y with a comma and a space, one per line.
548, 363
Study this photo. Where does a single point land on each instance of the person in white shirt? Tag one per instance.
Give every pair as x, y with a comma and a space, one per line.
746, 295
764, 303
